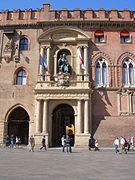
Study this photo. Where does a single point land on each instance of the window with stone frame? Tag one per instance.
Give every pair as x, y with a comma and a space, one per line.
128, 73
133, 103
21, 78
101, 73
23, 44
99, 37
125, 37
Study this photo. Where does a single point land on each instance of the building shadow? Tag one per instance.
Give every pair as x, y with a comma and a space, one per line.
100, 101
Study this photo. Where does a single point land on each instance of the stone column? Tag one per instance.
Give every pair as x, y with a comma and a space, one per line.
41, 67
90, 115
128, 83
79, 119
86, 117
86, 62
79, 63
55, 65
48, 59
50, 128
38, 116
101, 79
45, 116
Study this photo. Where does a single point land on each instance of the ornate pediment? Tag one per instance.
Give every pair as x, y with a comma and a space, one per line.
64, 37
63, 34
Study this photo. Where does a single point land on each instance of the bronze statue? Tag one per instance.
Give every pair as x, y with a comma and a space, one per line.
63, 65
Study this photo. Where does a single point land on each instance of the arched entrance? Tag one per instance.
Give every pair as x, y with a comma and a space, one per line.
62, 124
18, 124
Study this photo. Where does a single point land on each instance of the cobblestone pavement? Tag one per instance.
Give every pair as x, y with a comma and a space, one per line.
81, 164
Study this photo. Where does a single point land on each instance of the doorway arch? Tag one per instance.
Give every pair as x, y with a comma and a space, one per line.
18, 124
63, 123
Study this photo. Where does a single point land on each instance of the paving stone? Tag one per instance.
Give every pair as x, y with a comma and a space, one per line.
19, 164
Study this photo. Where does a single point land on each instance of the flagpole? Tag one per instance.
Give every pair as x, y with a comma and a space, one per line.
39, 74
79, 70
45, 65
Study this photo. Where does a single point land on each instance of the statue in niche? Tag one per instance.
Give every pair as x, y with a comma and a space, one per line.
63, 65
8, 51
8, 45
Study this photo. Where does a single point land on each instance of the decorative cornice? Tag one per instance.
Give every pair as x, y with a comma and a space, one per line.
90, 24
48, 96
87, 25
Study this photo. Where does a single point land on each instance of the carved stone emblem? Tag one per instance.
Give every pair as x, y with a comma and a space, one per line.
7, 58
62, 79
17, 59
8, 51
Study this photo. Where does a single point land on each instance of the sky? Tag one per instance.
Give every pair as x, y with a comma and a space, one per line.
69, 4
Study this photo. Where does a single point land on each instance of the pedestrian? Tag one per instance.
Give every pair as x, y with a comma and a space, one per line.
128, 144
68, 148
122, 144
116, 145
91, 143
17, 141
7, 141
96, 145
63, 143
32, 143
43, 143
12, 141
132, 142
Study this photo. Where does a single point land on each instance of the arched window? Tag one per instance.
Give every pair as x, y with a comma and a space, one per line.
124, 37
127, 73
101, 72
98, 73
21, 77
24, 44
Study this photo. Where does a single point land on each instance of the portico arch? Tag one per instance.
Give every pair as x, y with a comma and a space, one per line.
18, 124
63, 123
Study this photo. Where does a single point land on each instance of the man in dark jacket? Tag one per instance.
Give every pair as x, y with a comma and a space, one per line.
43, 143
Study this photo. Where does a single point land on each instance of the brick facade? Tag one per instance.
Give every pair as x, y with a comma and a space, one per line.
111, 111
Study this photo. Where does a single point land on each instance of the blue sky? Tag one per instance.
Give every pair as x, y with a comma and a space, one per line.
69, 4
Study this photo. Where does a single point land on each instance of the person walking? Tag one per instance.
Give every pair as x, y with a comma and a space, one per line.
122, 144
132, 142
43, 143
116, 145
63, 143
90, 143
17, 141
32, 143
129, 144
68, 148
96, 145
12, 141
7, 141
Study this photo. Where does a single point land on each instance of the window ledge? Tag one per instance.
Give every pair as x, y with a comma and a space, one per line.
125, 42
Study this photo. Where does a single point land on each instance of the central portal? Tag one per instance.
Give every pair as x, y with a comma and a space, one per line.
62, 124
